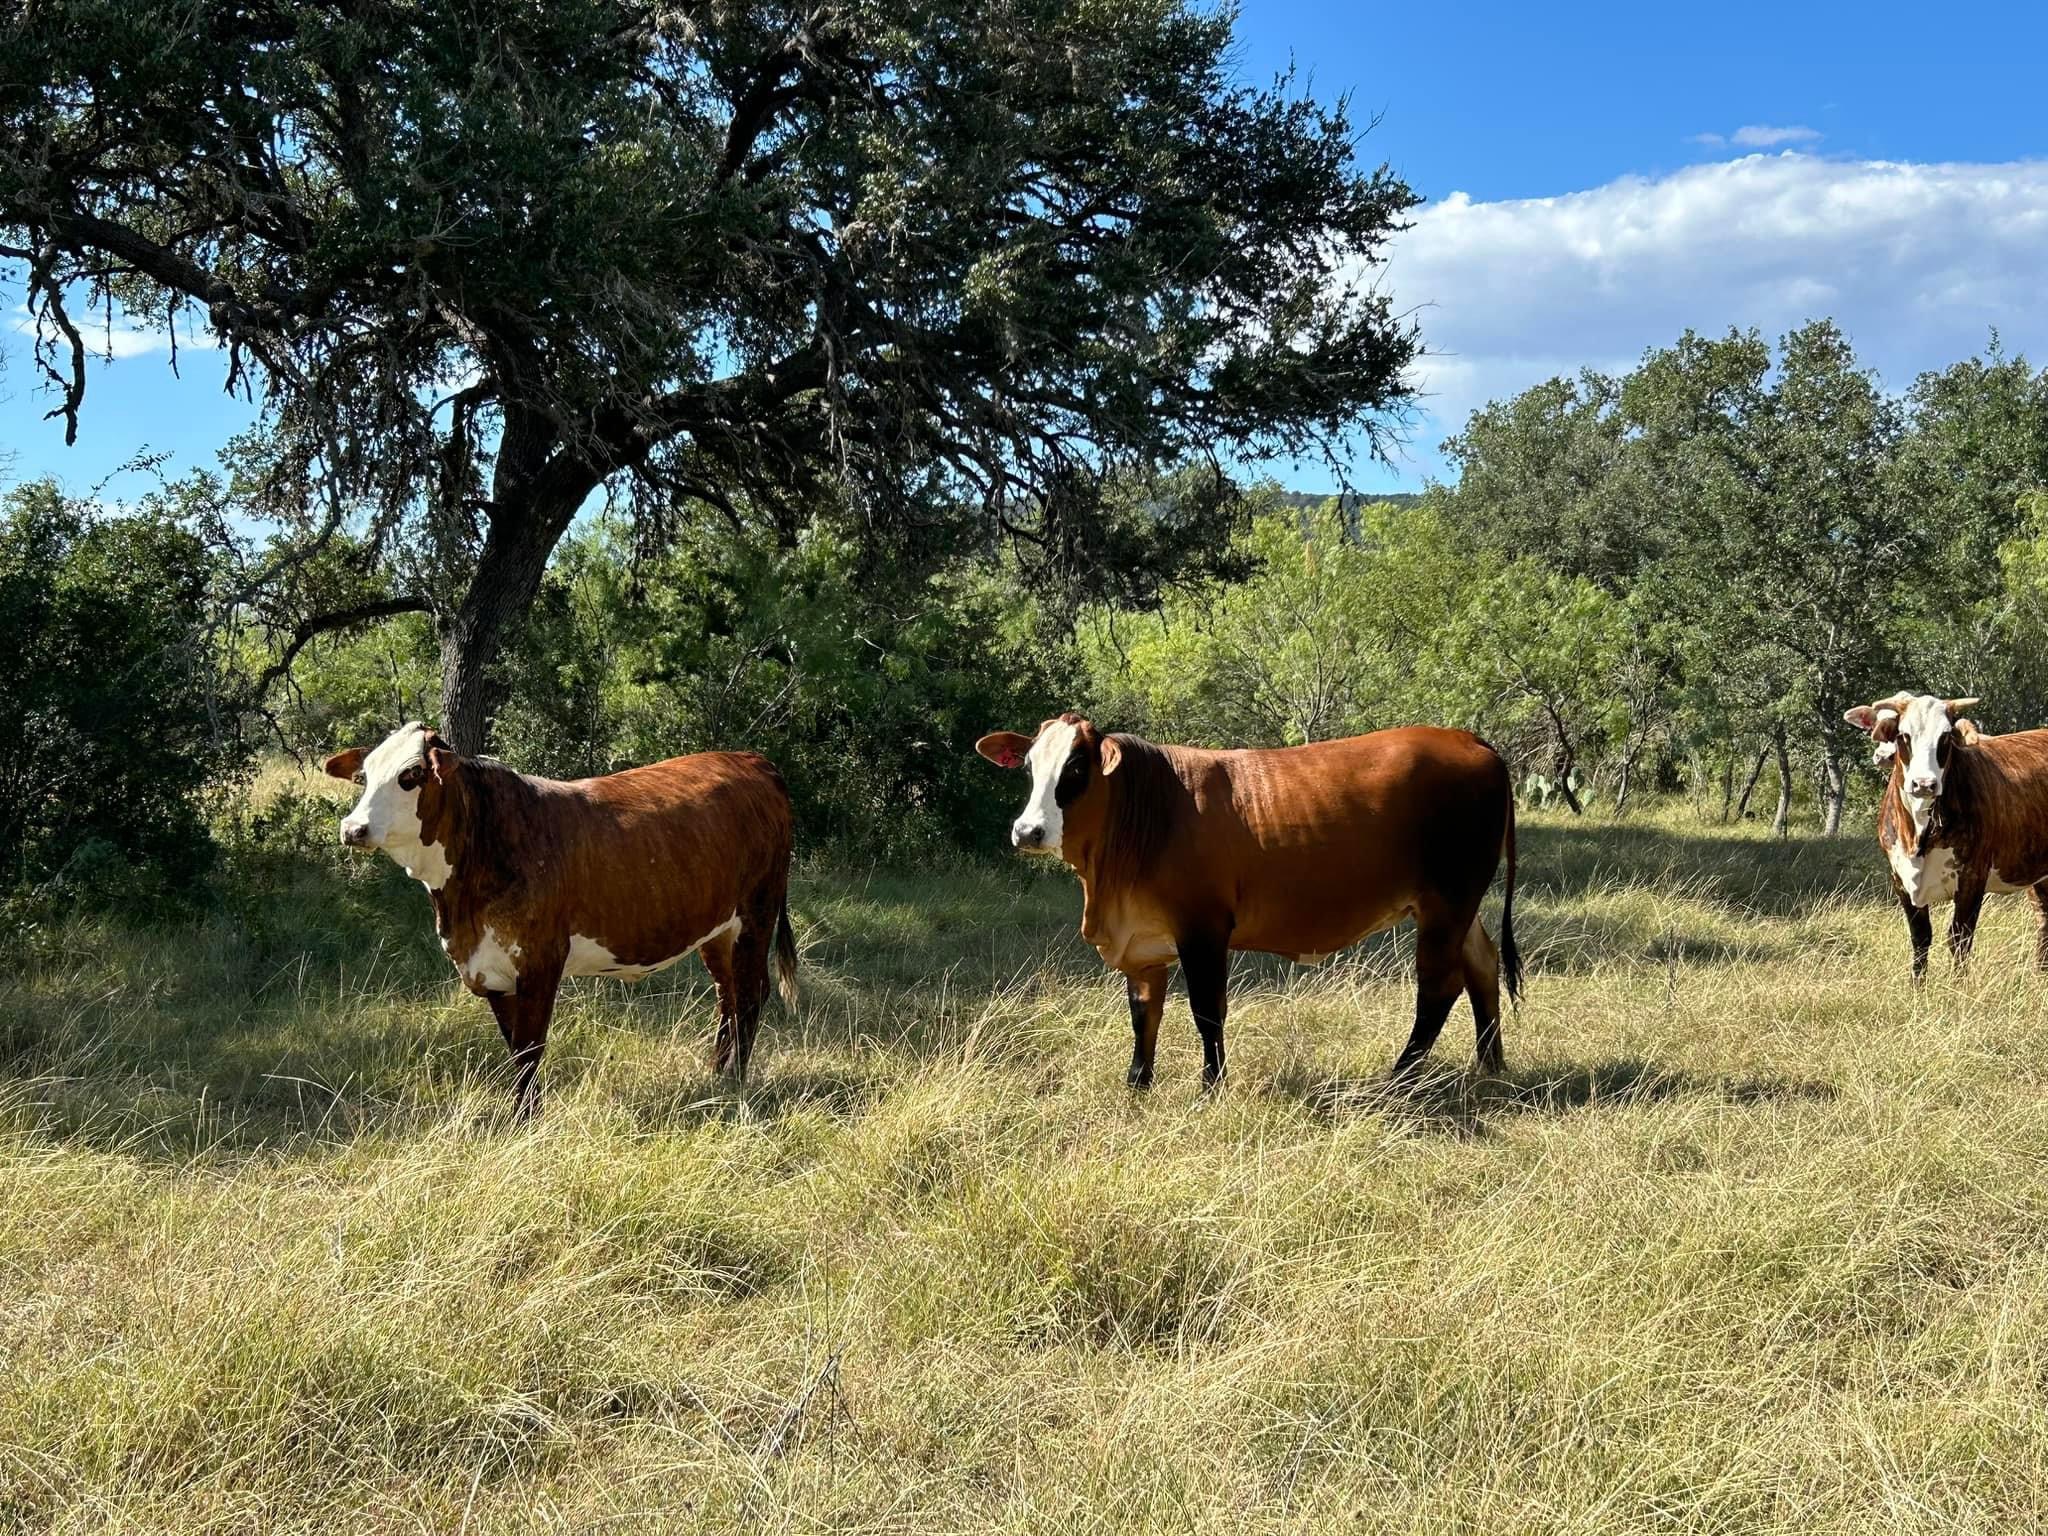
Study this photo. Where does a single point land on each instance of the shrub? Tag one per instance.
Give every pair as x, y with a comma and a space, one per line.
106, 736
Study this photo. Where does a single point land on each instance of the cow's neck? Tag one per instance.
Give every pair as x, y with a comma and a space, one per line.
1080, 857
465, 825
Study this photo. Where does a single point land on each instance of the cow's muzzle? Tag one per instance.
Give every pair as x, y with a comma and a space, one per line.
1023, 836
355, 834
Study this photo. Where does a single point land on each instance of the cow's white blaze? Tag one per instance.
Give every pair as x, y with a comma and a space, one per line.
387, 816
1041, 813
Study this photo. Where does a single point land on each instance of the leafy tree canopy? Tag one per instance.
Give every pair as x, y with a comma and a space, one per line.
943, 270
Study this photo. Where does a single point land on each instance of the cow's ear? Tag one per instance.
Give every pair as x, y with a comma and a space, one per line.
344, 765
442, 759
1863, 717
1006, 749
1112, 754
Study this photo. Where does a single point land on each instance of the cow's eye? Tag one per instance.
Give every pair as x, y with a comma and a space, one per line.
410, 779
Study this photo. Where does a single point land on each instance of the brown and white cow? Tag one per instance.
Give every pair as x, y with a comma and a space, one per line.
1186, 854
1963, 814
535, 879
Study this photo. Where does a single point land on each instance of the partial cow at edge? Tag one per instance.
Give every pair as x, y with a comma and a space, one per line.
1964, 814
535, 879
1186, 854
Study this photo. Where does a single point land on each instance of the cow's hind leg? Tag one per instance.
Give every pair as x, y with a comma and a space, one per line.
2038, 895
717, 955
1482, 986
750, 960
1439, 978
1205, 967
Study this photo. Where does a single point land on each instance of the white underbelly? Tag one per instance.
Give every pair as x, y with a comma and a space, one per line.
587, 957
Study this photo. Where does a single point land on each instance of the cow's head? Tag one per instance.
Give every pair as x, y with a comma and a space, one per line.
1068, 759
402, 778
1922, 732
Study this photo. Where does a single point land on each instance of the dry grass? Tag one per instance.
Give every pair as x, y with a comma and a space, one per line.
1750, 1238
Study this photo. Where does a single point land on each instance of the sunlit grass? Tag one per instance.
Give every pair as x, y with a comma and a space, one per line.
1751, 1236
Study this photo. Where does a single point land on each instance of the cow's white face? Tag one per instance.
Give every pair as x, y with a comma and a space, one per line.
1040, 824
388, 814
1923, 744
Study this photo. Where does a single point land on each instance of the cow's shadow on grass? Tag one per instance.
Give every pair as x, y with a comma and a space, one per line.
1465, 1103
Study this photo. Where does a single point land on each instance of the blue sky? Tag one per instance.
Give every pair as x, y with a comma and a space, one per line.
1598, 178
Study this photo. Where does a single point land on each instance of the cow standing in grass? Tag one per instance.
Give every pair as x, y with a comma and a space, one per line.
1963, 815
534, 879
1186, 854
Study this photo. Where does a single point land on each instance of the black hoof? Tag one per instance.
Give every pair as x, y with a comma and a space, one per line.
1138, 1077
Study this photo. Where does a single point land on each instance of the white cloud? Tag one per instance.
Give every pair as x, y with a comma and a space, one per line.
1917, 262
120, 339
1763, 136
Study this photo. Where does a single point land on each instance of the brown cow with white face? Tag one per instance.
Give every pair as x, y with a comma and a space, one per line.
1963, 815
1186, 854
534, 879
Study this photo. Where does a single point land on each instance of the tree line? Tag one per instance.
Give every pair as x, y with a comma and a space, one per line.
1673, 581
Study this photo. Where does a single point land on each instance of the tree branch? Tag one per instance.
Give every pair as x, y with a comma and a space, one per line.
308, 630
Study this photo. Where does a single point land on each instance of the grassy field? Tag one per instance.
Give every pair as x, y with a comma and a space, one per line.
1749, 1238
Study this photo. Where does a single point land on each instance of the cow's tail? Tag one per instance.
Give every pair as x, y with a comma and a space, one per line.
785, 957
1510, 956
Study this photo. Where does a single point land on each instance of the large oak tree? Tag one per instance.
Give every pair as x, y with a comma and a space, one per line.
944, 270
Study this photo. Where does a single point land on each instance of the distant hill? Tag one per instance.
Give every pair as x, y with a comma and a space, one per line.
1316, 499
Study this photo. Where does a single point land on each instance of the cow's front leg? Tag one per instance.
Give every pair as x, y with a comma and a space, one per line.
1147, 994
1205, 966
1962, 928
1921, 926
523, 1016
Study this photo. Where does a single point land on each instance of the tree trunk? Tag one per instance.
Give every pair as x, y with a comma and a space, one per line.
1628, 764
1727, 783
1564, 762
1835, 788
507, 579
1756, 771
1781, 824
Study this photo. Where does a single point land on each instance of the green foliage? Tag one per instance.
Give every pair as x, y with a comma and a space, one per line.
107, 736
1331, 634
867, 685
939, 264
